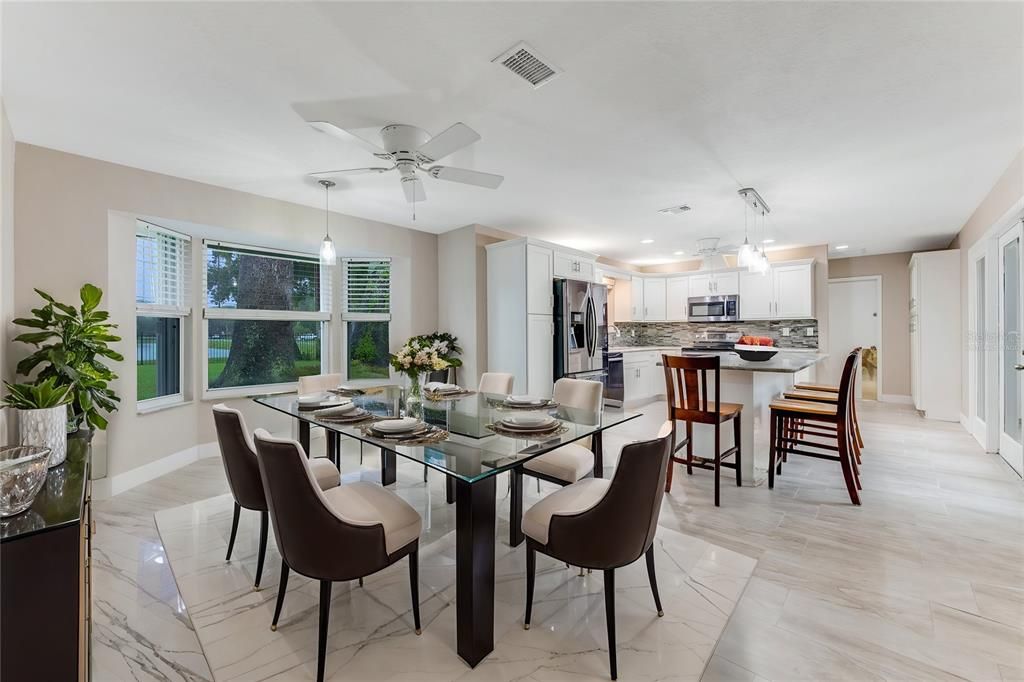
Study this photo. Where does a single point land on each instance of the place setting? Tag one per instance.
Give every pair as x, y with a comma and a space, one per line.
404, 431
321, 400
522, 402
436, 391
346, 412
528, 426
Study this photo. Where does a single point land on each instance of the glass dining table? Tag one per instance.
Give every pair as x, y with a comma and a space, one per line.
471, 458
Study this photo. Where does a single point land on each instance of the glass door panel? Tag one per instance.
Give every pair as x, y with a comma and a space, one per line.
1011, 311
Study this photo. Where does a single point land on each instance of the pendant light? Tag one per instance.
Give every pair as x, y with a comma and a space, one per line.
747, 253
328, 256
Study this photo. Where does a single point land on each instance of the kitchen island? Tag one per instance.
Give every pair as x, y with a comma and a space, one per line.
753, 385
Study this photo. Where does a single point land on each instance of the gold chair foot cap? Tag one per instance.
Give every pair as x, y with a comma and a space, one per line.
255, 588
418, 631
273, 628
660, 614
526, 626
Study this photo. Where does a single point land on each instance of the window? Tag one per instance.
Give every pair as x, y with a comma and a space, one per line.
265, 316
162, 273
367, 316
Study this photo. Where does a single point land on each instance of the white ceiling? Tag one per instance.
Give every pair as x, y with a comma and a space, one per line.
881, 126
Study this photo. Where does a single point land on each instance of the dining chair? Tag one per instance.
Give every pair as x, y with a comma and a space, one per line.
686, 387
817, 429
319, 383
345, 533
238, 453
603, 525
570, 462
496, 382
827, 393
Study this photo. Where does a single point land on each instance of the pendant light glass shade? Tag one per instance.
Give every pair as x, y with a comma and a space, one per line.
745, 256
328, 256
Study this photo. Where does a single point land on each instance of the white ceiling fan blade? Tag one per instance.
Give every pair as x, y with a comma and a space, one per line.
467, 177
347, 171
342, 134
448, 142
413, 188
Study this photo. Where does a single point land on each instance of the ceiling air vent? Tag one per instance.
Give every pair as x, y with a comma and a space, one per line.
527, 63
674, 210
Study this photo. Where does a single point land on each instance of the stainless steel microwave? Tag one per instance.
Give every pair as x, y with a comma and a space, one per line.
713, 308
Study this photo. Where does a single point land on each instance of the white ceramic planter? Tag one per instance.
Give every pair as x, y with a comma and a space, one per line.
47, 427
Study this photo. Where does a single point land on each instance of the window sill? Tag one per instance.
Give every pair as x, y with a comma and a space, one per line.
143, 408
219, 394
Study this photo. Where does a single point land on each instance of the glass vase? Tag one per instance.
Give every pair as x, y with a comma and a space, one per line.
414, 397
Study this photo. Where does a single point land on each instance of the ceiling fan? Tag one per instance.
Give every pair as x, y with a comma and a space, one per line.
712, 253
410, 149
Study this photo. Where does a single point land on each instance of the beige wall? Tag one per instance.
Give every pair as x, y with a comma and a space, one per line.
895, 351
75, 223
1004, 195
6, 253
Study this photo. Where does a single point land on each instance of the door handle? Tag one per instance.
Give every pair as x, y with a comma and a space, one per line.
1019, 367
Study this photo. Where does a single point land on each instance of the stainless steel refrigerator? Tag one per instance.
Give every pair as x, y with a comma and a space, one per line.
581, 330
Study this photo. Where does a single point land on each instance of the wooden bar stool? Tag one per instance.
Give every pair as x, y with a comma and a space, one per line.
686, 387
816, 429
819, 393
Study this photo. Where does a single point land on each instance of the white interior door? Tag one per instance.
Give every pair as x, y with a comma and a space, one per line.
1011, 360
854, 319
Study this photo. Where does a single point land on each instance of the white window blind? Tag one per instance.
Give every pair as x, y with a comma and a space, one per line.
163, 269
367, 289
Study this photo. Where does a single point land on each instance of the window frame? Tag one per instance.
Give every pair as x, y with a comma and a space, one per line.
323, 316
182, 311
347, 316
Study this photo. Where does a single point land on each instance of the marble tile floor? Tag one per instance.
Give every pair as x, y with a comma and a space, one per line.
924, 581
371, 633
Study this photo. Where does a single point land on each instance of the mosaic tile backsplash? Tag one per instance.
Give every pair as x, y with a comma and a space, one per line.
683, 333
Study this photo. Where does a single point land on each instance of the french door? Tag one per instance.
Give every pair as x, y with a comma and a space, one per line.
1011, 358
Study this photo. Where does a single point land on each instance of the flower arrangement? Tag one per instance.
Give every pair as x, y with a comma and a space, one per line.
426, 353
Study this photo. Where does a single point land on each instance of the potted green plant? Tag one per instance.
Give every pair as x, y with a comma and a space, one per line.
42, 415
70, 346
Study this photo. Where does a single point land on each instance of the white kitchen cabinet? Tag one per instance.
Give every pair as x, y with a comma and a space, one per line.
634, 384
654, 299
571, 266
793, 291
540, 333
715, 284
636, 306
539, 290
677, 290
757, 296
643, 379
700, 285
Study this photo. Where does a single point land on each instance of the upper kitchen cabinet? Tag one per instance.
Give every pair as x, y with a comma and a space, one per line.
715, 284
636, 299
655, 303
677, 290
573, 266
785, 291
539, 292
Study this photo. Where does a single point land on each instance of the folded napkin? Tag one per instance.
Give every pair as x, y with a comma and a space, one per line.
441, 387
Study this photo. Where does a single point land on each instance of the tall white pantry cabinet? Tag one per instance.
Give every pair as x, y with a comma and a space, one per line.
520, 307
935, 341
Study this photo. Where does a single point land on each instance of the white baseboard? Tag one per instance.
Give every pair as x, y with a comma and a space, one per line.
115, 485
894, 398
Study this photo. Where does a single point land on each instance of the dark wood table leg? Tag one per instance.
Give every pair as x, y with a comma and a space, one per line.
474, 568
449, 490
388, 467
515, 522
598, 445
304, 436
333, 452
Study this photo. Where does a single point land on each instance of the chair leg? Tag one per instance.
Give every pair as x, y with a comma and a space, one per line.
856, 424
234, 531
414, 587
844, 461
282, 588
689, 448
737, 429
264, 521
718, 465
360, 453
424, 473
668, 473
653, 580
609, 614
325, 618
531, 570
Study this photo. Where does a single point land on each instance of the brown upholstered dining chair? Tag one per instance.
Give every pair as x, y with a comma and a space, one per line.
686, 385
238, 455
345, 533
600, 524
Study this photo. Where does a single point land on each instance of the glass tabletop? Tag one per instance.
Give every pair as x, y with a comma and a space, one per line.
472, 451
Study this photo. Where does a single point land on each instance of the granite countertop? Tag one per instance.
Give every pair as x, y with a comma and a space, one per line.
786, 362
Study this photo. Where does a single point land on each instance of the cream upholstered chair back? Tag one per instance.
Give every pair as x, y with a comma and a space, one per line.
579, 393
317, 383
496, 382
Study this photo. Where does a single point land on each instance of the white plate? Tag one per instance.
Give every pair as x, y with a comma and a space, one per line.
524, 400
440, 387
342, 409
312, 398
396, 425
528, 421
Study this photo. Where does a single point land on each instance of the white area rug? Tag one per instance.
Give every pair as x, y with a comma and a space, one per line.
371, 631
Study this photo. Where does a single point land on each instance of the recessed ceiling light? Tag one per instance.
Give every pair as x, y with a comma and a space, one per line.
646, 241
769, 241
841, 247
678, 253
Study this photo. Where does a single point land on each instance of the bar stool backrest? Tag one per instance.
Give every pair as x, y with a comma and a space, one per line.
686, 387
847, 382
